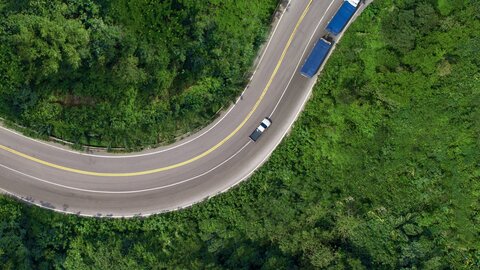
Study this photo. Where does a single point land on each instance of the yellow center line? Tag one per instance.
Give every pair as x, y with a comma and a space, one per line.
264, 92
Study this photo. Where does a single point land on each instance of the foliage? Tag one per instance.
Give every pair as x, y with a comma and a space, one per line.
380, 172
121, 73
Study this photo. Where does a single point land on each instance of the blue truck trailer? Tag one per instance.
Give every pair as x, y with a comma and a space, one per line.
316, 57
343, 15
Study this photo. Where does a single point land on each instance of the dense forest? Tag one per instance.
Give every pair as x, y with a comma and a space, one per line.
380, 172
125, 73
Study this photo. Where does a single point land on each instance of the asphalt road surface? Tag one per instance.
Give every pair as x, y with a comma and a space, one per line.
198, 167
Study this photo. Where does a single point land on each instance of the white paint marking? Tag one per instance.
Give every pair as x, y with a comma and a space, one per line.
236, 183
298, 64
169, 148
129, 191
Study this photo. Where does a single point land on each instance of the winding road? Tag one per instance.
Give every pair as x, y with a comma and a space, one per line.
189, 171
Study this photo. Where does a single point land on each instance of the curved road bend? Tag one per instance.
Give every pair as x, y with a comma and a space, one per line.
209, 162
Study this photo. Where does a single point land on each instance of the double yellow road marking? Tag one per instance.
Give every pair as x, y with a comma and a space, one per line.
257, 103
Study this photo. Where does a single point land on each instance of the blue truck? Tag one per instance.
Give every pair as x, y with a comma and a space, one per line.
316, 57
343, 15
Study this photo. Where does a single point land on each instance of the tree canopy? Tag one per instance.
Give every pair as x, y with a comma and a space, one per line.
381, 171
125, 73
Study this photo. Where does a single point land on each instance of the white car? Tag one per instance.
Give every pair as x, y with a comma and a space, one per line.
260, 129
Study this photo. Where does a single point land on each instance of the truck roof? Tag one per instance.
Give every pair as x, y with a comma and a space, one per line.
354, 2
316, 58
343, 15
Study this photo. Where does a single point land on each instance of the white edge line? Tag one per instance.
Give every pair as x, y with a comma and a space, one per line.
307, 97
108, 192
151, 189
129, 191
298, 64
176, 146
208, 197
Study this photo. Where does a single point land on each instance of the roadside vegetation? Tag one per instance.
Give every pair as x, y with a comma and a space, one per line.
380, 172
125, 73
